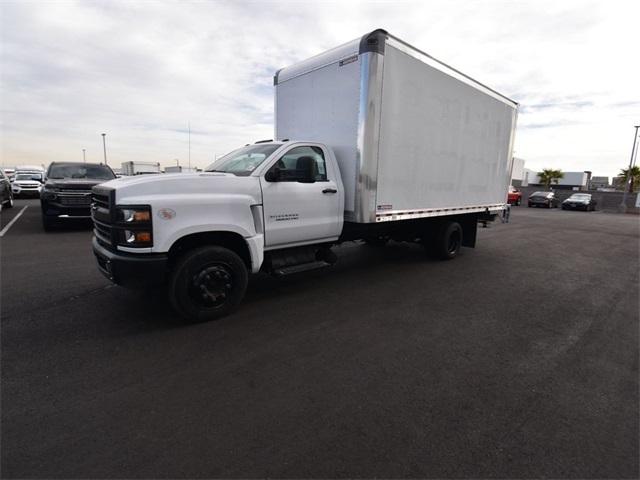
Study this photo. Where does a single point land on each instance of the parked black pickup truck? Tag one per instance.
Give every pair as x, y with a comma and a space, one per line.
67, 191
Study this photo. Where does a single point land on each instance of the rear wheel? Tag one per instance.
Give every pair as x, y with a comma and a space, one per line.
446, 242
9, 202
518, 202
207, 283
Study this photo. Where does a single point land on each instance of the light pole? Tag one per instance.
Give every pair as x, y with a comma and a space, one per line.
84, 155
623, 205
104, 147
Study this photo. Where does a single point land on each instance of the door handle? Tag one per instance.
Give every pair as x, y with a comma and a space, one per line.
329, 190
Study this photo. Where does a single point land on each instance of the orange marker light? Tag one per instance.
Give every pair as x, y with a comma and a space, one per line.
143, 237
141, 216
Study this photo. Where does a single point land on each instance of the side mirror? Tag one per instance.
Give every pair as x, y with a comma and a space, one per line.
272, 175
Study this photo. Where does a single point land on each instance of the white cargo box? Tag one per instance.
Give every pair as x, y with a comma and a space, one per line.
413, 137
140, 168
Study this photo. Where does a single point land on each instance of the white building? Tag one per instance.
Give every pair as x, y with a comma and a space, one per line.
571, 180
517, 172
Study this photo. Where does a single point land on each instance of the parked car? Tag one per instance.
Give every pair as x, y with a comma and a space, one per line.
543, 199
35, 169
27, 184
67, 191
6, 196
579, 201
514, 197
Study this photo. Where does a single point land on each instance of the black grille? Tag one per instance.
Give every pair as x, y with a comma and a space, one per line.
102, 216
102, 232
79, 200
75, 191
101, 200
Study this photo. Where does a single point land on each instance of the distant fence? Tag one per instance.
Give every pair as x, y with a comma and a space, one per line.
607, 201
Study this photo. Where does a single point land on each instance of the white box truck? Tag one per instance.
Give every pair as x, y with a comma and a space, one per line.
375, 141
140, 168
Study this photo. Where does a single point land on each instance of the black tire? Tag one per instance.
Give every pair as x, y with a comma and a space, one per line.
529, 205
207, 283
518, 202
445, 244
9, 202
48, 224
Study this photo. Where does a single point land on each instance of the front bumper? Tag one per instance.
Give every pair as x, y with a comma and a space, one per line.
575, 206
19, 191
130, 269
54, 209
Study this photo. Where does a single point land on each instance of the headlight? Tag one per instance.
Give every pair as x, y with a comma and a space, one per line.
135, 229
47, 192
134, 214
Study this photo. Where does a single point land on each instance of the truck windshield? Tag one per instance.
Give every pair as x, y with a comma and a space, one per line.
244, 160
99, 172
29, 176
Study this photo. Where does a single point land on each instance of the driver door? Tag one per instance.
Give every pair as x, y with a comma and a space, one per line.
301, 207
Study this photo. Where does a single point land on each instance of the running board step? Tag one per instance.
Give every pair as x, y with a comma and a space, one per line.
303, 267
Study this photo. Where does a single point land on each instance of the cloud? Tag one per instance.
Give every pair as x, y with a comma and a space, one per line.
142, 71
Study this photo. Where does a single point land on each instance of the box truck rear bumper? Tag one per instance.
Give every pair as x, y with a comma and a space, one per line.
130, 270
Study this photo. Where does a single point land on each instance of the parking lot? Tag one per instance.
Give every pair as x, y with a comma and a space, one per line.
518, 359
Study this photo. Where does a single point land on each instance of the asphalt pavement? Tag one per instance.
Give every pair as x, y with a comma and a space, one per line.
518, 359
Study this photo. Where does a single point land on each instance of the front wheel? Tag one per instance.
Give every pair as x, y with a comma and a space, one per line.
207, 283
9, 201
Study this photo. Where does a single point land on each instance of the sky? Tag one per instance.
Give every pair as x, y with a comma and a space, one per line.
144, 71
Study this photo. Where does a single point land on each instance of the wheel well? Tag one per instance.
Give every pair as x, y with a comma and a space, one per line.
232, 241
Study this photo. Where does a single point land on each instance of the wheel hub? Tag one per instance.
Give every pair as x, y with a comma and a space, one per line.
211, 286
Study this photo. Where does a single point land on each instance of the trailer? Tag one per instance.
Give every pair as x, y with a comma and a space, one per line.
179, 169
140, 168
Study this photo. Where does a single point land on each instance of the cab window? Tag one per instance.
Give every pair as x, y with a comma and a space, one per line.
292, 162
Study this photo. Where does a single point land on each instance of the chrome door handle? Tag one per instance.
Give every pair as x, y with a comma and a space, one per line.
329, 190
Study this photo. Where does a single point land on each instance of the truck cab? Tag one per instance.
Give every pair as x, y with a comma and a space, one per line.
258, 200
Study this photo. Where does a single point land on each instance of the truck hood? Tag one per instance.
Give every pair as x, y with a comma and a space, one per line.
74, 183
144, 188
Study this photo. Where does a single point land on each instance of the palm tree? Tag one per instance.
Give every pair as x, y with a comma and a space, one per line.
549, 175
635, 177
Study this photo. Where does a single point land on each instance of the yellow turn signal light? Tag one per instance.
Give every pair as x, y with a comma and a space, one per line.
141, 216
137, 238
